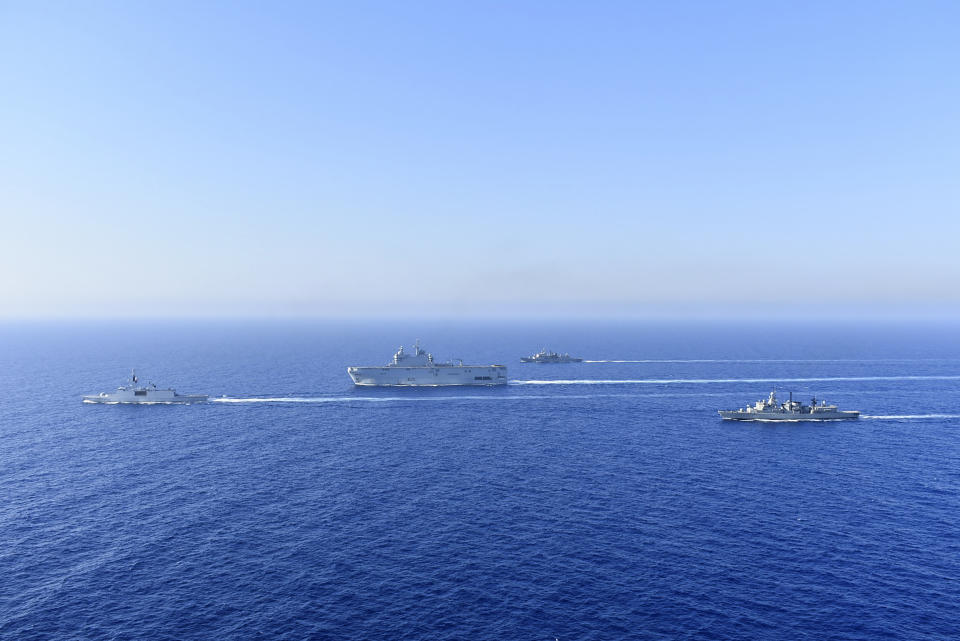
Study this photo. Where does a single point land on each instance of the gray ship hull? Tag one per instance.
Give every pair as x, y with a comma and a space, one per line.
136, 394
115, 399
738, 415
393, 376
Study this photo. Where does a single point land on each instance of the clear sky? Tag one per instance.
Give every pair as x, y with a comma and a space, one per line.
248, 158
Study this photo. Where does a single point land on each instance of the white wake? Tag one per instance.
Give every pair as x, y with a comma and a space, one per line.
893, 417
769, 360
706, 381
403, 399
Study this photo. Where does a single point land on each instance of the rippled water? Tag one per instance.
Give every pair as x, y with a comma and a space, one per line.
600, 500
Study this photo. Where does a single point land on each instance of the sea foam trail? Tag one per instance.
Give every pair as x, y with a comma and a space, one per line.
336, 399
775, 360
408, 399
290, 399
705, 381
405, 399
893, 417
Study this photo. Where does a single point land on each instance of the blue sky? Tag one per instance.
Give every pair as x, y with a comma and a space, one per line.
308, 158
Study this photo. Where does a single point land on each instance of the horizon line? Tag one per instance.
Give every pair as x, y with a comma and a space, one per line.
756, 314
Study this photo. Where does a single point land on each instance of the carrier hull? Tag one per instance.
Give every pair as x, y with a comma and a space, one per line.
392, 376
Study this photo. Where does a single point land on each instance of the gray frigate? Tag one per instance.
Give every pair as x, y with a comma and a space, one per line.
543, 356
137, 393
772, 410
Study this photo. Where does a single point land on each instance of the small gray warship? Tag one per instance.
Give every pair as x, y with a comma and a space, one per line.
771, 410
135, 392
543, 356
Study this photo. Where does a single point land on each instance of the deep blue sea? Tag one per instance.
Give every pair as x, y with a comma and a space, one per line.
592, 501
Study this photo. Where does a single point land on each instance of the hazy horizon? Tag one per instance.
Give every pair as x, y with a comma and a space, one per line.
653, 314
302, 160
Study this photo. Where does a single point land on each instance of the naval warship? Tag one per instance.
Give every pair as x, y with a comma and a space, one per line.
771, 410
134, 392
419, 369
543, 356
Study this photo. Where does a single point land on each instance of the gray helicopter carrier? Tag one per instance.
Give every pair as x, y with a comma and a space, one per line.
419, 369
771, 410
137, 393
543, 356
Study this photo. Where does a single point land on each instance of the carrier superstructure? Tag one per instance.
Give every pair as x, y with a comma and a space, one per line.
420, 369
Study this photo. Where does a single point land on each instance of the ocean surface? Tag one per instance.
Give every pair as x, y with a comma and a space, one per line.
592, 501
